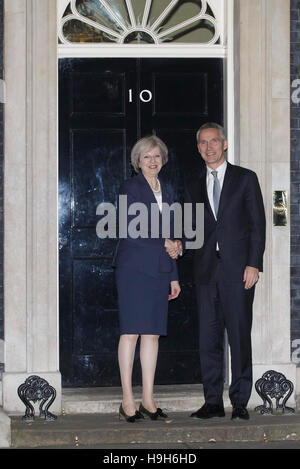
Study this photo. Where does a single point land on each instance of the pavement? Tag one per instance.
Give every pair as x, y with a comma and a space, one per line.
178, 431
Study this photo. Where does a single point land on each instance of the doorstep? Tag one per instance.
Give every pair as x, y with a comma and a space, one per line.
172, 398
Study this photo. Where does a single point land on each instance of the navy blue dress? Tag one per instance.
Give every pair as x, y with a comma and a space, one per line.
144, 270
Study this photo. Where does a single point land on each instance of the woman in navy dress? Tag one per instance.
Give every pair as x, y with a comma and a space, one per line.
146, 279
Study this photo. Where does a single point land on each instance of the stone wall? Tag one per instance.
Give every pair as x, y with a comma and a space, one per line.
1, 179
295, 181
265, 148
30, 198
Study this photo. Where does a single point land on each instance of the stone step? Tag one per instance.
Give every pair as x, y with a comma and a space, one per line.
87, 430
174, 398
90, 418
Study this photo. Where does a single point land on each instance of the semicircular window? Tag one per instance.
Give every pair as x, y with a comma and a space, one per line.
139, 22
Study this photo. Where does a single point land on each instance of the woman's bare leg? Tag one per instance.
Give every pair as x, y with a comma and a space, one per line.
148, 357
126, 350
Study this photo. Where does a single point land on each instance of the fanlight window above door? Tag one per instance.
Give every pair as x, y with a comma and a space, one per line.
140, 21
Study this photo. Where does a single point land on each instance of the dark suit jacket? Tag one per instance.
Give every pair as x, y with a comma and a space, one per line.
147, 255
239, 229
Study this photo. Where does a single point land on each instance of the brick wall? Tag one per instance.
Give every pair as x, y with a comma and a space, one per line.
295, 180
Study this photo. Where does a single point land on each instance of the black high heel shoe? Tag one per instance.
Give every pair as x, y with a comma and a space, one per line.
158, 415
129, 418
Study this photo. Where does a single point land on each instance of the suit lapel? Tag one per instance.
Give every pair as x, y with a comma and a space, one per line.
148, 196
166, 196
227, 188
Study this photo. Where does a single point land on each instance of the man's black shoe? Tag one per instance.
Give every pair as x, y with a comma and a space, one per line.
240, 412
208, 411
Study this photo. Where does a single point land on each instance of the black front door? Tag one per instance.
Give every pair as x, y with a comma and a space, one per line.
105, 105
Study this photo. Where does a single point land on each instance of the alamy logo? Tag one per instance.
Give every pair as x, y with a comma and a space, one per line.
134, 221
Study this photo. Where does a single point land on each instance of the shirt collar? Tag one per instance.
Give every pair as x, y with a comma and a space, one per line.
221, 169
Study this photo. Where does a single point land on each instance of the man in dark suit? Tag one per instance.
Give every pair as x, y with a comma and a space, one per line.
226, 269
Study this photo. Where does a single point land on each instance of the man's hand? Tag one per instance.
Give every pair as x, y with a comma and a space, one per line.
175, 290
173, 248
251, 276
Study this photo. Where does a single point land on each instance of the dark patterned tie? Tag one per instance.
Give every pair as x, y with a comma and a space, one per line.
216, 191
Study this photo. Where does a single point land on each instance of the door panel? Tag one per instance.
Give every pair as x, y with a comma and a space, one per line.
99, 93
103, 110
169, 100
97, 169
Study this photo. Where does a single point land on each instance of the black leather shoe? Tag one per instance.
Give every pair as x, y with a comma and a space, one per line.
158, 415
208, 411
239, 412
129, 418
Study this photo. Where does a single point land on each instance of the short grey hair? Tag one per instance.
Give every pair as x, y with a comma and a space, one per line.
146, 144
212, 125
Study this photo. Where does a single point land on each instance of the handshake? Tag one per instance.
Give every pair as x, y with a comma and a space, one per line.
173, 248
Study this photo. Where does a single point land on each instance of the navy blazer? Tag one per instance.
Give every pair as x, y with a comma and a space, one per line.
147, 255
239, 229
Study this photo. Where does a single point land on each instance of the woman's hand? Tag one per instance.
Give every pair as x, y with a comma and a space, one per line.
175, 290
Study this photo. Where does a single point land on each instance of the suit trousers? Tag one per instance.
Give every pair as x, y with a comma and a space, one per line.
224, 305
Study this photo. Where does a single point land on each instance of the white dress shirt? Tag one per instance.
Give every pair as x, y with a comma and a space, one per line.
158, 196
210, 182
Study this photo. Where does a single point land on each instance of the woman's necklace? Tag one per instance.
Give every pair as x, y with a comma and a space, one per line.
157, 186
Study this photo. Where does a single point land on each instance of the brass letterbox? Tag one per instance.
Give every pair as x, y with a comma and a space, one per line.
280, 208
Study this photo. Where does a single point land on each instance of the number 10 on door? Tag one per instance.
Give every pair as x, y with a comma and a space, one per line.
145, 96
